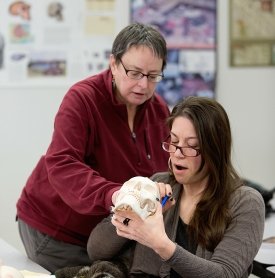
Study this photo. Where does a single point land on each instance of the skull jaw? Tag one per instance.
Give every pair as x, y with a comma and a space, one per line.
130, 203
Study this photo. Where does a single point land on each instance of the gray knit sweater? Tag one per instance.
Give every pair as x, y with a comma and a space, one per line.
232, 257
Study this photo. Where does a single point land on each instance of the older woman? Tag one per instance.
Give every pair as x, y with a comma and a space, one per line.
108, 129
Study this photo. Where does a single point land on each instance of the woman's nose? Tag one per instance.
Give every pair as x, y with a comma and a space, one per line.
143, 82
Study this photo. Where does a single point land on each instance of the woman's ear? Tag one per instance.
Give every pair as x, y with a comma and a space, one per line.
113, 64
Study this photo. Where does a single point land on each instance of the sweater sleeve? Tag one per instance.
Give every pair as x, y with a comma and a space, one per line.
70, 157
104, 243
234, 255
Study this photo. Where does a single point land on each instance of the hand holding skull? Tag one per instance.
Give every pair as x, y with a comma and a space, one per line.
140, 195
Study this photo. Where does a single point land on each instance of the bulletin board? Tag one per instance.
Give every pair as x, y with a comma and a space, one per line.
50, 42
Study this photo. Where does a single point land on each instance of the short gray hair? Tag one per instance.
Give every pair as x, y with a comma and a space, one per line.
138, 34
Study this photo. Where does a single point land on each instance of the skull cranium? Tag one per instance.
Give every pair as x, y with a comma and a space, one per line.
139, 194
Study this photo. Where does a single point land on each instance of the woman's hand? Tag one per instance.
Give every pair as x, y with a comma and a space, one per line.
166, 190
149, 232
114, 196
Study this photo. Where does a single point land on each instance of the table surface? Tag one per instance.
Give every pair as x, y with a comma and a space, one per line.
271, 269
266, 254
12, 257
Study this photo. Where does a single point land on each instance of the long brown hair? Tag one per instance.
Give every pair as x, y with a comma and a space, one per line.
212, 126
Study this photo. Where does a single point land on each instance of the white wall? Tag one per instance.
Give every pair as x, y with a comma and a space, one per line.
26, 123
248, 95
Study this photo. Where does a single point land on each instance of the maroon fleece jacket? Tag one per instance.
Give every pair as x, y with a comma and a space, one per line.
91, 154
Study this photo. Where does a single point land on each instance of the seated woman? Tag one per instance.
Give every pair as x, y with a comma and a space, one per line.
215, 227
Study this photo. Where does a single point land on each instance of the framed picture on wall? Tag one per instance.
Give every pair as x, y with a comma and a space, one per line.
252, 33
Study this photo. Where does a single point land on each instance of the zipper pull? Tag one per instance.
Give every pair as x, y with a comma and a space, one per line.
134, 136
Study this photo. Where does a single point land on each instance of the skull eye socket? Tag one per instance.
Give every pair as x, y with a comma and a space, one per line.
151, 205
150, 188
137, 186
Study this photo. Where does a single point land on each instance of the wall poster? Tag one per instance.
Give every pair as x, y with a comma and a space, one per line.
48, 42
252, 33
189, 27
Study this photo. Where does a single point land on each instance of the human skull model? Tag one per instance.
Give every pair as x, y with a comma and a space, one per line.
140, 195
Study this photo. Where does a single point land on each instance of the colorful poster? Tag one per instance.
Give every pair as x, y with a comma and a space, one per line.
189, 28
184, 23
55, 40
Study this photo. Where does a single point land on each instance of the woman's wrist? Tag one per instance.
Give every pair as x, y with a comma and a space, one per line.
166, 249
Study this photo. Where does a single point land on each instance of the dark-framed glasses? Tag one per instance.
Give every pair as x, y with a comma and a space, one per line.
185, 151
137, 75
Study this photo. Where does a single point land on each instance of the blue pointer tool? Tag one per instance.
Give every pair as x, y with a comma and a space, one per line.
164, 200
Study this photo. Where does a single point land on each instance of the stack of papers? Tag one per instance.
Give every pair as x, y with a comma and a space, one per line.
266, 254
30, 274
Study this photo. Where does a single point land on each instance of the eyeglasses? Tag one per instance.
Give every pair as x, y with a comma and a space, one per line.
137, 75
186, 151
